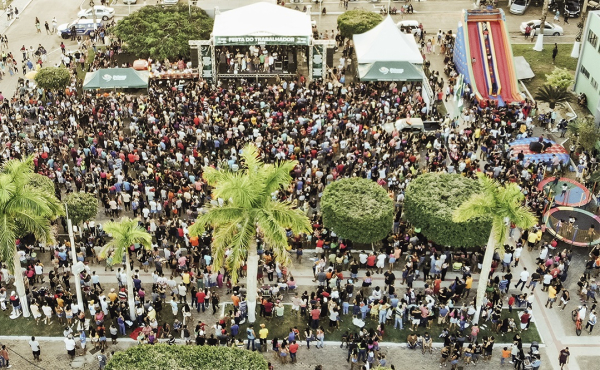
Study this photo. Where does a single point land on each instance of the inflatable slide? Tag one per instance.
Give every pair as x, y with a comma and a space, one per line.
483, 55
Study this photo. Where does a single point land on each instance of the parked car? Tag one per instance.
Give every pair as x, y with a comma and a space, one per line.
170, 2
573, 9
408, 26
550, 29
519, 6
102, 12
83, 27
129, 2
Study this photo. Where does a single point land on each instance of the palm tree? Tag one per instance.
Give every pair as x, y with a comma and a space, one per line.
125, 234
586, 131
24, 209
249, 210
553, 95
499, 203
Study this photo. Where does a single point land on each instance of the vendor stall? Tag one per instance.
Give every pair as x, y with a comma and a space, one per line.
116, 78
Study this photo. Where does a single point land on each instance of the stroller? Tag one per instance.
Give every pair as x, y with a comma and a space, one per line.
534, 350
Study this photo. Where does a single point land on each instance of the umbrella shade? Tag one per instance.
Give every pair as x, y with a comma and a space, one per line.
31, 75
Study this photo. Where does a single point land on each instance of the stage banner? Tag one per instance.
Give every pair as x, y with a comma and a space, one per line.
261, 40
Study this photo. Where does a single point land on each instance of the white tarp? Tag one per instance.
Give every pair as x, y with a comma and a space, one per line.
386, 43
523, 69
262, 19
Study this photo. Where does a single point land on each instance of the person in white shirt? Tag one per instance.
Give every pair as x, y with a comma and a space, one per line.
523, 277
35, 348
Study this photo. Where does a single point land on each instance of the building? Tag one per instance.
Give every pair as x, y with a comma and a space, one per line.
587, 75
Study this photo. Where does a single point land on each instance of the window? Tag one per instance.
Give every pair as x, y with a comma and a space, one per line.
594, 83
584, 72
592, 38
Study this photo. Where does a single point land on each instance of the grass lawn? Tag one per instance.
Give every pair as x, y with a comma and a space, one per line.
541, 62
280, 328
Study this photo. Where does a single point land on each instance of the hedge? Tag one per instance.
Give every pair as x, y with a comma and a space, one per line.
429, 202
357, 209
163, 356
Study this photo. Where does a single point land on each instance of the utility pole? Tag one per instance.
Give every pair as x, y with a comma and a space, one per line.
580, 26
74, 258
93, 6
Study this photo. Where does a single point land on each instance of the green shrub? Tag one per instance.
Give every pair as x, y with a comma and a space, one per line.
357, 209
429, 202
164, 357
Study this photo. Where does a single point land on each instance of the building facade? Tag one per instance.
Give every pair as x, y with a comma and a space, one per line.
587, 76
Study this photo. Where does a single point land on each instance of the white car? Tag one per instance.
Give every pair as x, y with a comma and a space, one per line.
102, 12
550, 29
129, 2
170, 2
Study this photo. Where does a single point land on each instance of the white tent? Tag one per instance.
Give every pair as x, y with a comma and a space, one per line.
386, 43
262, 23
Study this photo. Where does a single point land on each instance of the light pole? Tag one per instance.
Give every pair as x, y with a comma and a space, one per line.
93, 6
74, 257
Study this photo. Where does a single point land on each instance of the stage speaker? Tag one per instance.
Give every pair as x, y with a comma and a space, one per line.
292, 67
222, 67
329, 59
194, 55
536, 146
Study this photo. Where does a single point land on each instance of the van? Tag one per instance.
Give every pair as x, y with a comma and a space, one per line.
408, 26
83, 27
519, 6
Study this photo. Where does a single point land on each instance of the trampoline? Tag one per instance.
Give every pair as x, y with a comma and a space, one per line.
573, 226
566, 192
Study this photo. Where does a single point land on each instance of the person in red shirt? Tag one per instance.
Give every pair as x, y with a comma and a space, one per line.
268, 308
371, 261
315, 314
200, 299
293, 348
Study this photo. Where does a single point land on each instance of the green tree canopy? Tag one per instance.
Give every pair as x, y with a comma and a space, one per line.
553, 95
163, 32
357, 209
357, 21
53, 78
430, 201
82, 207
586, 133
162, 356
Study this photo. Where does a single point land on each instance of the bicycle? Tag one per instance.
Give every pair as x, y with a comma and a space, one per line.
577, 320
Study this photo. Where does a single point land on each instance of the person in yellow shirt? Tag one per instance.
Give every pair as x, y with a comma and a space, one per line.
468, 285
551, 296
262, 335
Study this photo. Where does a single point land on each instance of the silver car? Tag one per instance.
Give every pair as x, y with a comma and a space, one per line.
550, 29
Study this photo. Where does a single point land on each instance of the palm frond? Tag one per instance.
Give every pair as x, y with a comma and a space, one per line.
125, 233
251, 161
287, 217
478, 205
8, 247
243, 191
277, 176
215, 216
239, 249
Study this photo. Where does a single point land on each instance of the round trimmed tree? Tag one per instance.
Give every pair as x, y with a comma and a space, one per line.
431, 199
162, 356
357, 21
357, 209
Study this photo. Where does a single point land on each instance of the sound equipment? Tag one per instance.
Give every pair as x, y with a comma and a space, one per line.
292, 66
194, 55
329, 54
536, 147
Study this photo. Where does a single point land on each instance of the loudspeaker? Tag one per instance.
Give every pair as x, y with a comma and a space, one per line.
222, 67
536, 147
194, 55
292, 66
329, 53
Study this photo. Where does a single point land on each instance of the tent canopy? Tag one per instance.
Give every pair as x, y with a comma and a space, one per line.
116, 78
262, 23
386, 43
389, 71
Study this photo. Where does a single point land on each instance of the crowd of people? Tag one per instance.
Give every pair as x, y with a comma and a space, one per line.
142, 156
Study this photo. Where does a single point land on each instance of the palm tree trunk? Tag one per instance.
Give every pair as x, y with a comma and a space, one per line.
130, 294
20, 284
486, 267
539, 43
251, 280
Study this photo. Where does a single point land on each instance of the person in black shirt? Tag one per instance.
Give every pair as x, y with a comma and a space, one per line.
212, 341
